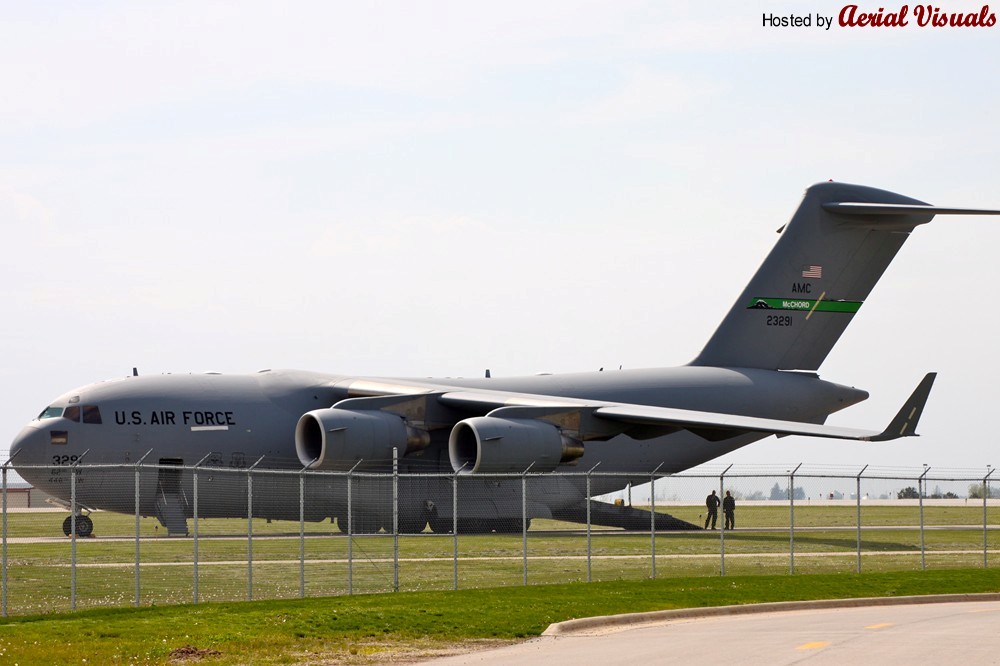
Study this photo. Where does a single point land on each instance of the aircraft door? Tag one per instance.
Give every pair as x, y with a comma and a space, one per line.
169, 480
171, 504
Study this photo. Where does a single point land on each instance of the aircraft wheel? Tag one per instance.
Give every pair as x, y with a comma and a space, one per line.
412, 525
441, 525
475, 526
363, 524
84, 526
504, 525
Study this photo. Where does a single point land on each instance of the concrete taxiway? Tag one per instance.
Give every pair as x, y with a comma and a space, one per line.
948, 629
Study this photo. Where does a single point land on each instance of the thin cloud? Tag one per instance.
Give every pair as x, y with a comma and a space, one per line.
646, 95
24, 209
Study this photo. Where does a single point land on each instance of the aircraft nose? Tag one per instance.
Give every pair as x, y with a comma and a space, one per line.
27, 445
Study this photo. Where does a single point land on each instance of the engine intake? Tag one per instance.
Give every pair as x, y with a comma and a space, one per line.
490, 444
336, 439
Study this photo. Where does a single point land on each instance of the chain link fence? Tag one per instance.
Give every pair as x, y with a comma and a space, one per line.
145, 534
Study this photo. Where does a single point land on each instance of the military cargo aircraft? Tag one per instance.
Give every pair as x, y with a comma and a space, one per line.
756, 377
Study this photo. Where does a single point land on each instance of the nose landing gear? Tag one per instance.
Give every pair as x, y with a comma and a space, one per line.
84, 526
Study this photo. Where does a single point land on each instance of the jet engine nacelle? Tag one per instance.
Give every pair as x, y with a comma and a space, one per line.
336, 439
490, 444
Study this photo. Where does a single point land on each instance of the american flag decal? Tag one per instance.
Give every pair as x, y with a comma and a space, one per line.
815, 272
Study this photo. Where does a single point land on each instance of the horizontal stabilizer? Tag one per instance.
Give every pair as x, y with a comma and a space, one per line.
859, 208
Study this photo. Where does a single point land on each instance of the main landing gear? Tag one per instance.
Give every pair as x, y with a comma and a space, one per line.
84, 526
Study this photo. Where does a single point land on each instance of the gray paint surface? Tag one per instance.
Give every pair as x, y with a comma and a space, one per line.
754, 378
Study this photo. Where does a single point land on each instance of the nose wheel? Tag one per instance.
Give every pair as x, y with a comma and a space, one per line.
84, 526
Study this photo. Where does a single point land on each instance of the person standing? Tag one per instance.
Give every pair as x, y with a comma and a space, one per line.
729, 511
712, 504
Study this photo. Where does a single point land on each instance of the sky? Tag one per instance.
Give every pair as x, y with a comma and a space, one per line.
435, 188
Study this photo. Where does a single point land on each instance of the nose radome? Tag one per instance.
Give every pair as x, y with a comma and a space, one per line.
27, 445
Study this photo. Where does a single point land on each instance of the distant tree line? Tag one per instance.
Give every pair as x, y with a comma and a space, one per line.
911, 493
976, 491
780, 493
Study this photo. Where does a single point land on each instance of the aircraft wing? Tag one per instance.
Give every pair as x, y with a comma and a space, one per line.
505, 431
710, 425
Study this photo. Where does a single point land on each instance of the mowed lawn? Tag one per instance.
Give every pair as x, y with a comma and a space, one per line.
364, 628
40, 579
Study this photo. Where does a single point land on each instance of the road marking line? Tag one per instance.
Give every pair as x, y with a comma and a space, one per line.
815, 645
879, 626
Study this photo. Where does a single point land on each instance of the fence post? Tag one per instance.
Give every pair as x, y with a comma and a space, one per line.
302, 528
587, 500
858, 499
137, 466
524, 520
3, 605
652, 521
350, 529
921, 482
986, 494
72, 538
250, 529
454, 524
302, 533
791, 519
454, 529
72, 531
722, 531
395, 519
194, 513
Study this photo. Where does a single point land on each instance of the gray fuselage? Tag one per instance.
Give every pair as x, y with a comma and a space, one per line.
229, 422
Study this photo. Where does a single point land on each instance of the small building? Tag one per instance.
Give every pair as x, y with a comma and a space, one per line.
22, 495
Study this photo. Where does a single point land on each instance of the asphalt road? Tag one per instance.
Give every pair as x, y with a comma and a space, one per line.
965, 632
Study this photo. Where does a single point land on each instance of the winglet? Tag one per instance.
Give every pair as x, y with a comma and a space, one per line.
905, 423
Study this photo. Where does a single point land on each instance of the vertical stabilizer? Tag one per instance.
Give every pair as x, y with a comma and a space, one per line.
823, 267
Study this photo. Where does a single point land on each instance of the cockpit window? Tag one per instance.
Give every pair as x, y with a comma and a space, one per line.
91, 414
50, 413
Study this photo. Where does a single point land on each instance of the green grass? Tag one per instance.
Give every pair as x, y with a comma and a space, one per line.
39, 577
358, 628
816, 515
426, 617
751, 516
